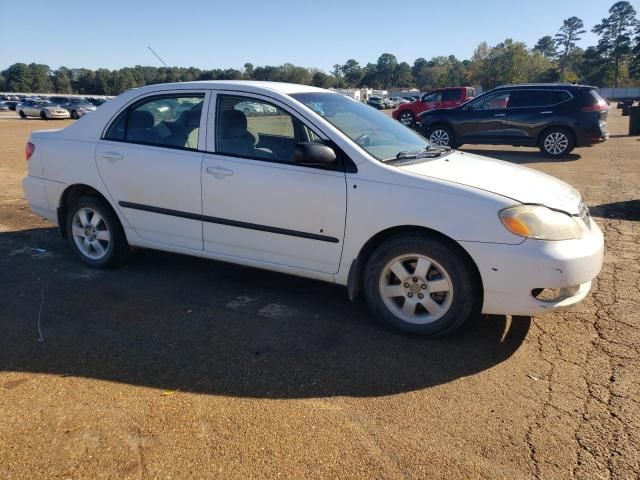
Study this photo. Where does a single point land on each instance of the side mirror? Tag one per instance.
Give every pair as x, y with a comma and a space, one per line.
314, 154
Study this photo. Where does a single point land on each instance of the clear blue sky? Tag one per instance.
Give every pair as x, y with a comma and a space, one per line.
222, 34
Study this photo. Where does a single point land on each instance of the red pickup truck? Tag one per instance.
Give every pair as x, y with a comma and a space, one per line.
449, 97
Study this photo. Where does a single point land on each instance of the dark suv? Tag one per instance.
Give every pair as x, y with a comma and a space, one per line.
554, 117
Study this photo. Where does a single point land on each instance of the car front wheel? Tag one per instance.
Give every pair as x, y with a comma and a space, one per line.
22, 114
95, 233
557, 143
421, 285
441, 136
43, 115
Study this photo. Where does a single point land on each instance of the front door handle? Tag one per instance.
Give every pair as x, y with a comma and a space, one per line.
219, 172
112, 156
500, 115
546, 113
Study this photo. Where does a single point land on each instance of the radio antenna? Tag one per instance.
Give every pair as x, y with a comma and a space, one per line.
157, 56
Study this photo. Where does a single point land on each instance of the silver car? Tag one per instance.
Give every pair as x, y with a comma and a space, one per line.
41, 108
76, 106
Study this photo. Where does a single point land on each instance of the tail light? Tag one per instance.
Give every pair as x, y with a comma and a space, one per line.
28, 150
600, 104
598, 107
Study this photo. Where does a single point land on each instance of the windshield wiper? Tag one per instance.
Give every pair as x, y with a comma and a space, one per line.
427, 152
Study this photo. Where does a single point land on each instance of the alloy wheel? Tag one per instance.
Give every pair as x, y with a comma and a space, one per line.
406, 119
439, 138
416, 289
556, 143
91, 233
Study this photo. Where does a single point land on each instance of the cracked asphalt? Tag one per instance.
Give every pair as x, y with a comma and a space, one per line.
176, 367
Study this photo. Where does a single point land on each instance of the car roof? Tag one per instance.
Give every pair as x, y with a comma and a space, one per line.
543, 86
246, 85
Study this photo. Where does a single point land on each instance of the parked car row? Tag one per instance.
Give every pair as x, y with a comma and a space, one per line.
55, 107
43, 108
255, 108
389, 102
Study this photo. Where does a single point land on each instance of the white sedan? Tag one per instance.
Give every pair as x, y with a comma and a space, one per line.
325, 188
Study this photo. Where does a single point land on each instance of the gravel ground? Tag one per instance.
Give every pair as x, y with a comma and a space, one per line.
175, 367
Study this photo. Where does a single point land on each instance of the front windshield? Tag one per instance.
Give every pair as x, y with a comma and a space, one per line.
374, 131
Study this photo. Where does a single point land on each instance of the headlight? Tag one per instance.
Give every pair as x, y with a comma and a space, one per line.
540, 223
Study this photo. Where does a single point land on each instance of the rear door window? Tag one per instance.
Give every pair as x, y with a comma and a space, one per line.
166, 121
497, 101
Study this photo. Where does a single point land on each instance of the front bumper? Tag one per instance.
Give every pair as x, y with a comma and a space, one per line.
64, 114
512, 274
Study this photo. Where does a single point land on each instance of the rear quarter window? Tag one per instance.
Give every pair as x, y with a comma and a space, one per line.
559, 96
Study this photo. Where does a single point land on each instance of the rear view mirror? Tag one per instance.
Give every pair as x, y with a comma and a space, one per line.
313, 154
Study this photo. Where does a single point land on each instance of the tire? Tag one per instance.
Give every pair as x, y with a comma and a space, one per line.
100, 250
406, 118
74, 115
441, 136
22, 114
43, 115
456, 291
557, 142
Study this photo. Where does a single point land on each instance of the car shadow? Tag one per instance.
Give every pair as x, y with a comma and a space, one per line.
181, 323
520, 156
626, 210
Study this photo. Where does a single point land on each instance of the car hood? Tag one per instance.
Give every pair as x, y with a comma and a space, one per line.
522, 184
438, 111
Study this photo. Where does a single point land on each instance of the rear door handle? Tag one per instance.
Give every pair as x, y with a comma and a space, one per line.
546, 113
113, 156
500, 115
219, 171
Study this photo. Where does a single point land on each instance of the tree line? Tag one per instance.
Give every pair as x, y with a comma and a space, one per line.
613, 61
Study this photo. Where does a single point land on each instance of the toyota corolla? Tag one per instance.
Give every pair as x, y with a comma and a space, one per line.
324, 187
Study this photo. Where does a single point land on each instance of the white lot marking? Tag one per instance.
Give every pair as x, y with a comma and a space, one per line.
40, 336
274, 310
34, 252
82, 275
239, 302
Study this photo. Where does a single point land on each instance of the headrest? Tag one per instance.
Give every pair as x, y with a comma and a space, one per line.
191, 117
233, 124
140, 119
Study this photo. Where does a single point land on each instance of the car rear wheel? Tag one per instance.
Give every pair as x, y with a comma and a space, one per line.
74, 115
95, 233
406, 118
557, 142
441, 136
22, 114
421, 285
43, 115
